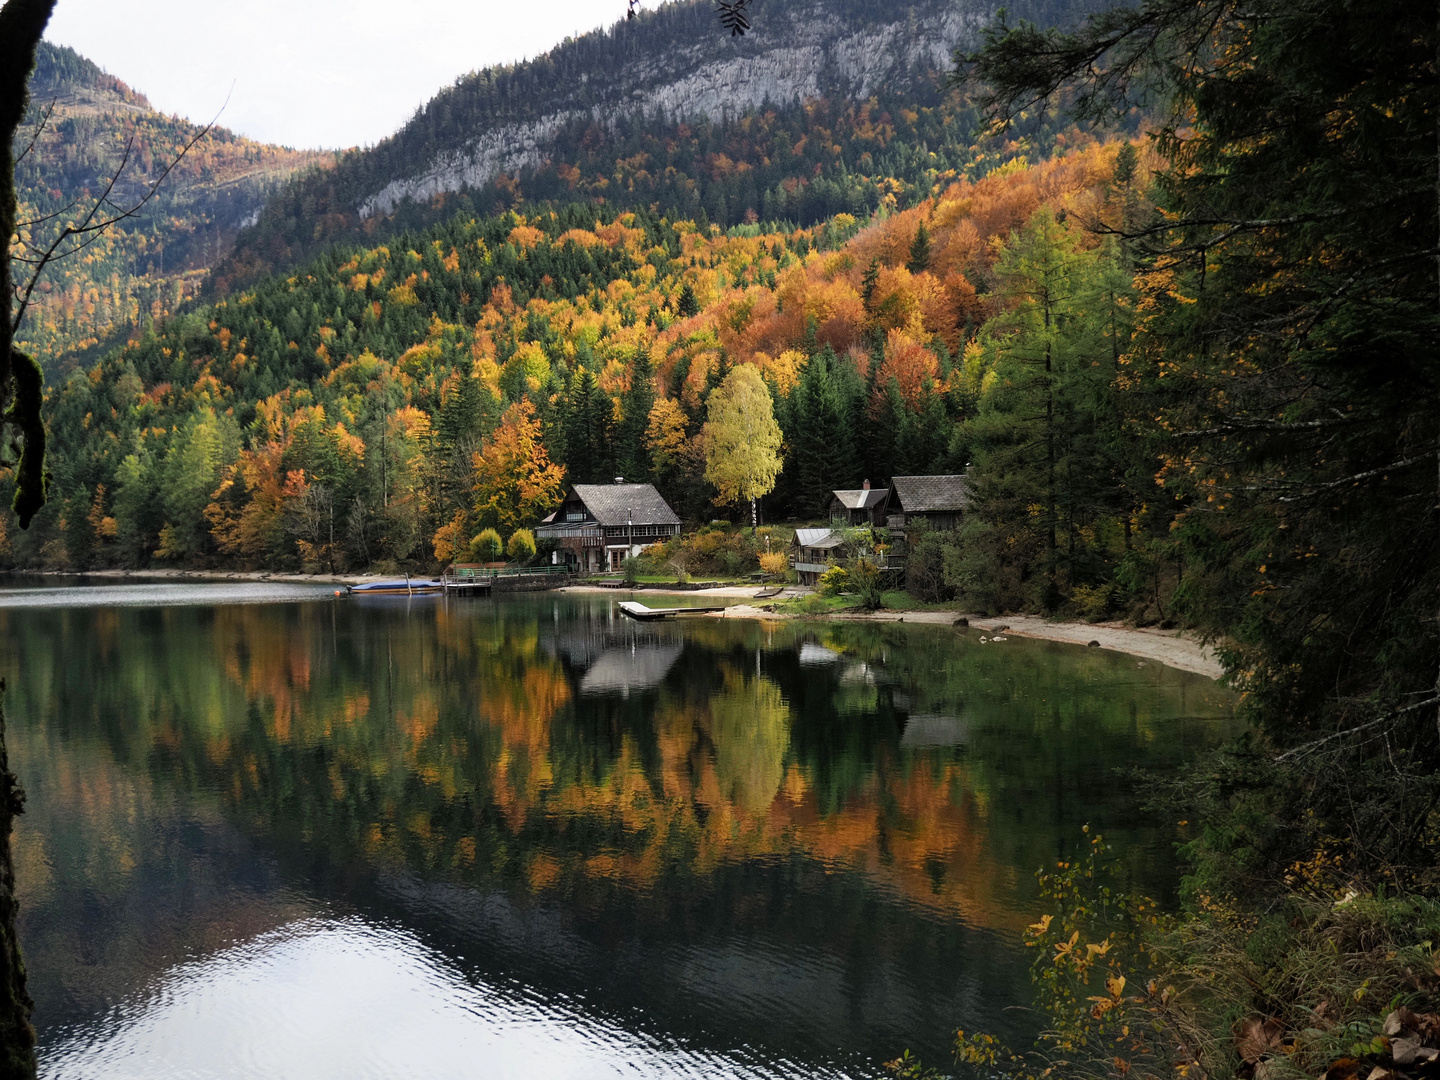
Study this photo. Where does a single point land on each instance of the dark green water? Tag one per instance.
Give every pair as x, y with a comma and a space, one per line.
307, 837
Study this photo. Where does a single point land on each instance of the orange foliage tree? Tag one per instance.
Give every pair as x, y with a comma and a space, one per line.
516, 483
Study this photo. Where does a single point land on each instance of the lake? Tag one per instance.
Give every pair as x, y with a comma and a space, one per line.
276, 833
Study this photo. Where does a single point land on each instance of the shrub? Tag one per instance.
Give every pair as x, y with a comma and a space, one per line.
711, 551
925, 568
630, 567
865, 583
774, 563
834, 581
486, 546
1096, 603
522, 545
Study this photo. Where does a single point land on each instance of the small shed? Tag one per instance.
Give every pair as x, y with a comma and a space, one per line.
813, 551
939, 500
859, 506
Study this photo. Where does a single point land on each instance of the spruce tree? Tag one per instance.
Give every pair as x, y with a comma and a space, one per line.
919, 251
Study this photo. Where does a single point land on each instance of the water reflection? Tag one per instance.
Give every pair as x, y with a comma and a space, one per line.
717, 847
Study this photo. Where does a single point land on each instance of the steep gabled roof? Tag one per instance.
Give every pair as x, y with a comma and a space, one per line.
862, 498
614, 504
817, 538
931, 494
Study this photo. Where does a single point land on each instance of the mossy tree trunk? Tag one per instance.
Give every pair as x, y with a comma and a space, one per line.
22, 22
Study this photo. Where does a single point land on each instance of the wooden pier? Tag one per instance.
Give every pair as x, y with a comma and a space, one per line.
650, 614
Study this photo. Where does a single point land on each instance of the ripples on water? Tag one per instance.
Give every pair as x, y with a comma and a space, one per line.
526, 837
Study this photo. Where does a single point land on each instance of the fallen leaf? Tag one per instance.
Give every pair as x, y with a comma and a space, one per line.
1400, 1021
1344, 1069
1409, 1052
1256, 1039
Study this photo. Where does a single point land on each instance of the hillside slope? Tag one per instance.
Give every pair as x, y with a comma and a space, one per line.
144, 267
380, 405
665, 112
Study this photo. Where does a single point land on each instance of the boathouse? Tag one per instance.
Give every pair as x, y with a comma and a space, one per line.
599, 525
860, 506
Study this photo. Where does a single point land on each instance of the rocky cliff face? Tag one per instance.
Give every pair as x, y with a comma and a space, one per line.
683, 68
665, 112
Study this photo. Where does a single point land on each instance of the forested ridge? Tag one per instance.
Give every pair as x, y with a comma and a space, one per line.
383, 405
77, 129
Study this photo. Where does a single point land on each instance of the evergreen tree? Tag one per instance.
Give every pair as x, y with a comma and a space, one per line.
589, 453
687, 305
869, 281
919, 251
822, 450
632, 456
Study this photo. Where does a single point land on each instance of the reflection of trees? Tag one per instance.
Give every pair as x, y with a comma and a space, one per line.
750, 729
456, 742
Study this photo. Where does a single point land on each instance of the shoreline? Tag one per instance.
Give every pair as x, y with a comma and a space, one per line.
1168, 647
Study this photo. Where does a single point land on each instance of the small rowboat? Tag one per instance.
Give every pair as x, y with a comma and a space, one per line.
396, 588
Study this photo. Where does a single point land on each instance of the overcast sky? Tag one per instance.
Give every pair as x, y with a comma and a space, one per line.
312, 73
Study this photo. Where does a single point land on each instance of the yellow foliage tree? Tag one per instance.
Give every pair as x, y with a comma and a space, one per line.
742, 440
515, 480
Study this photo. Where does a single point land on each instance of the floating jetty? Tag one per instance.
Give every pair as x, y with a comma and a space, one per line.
650, 614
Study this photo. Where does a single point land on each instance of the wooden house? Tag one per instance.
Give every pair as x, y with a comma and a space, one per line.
599, 525
859, 506
813, 551
939, 501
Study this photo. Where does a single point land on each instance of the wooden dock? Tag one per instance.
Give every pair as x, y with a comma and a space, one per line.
649, 614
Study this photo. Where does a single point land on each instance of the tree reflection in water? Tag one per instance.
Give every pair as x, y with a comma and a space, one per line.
813, 839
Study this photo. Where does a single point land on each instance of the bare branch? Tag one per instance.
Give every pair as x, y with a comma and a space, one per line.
1311, 747
39, 129
92, 229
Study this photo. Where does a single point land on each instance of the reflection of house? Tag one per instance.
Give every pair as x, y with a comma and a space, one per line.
622, 670
813, 655
938, 500
935, 731
861, 506
598, 525
812, 552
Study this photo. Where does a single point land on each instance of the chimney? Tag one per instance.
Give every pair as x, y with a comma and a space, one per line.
865, 486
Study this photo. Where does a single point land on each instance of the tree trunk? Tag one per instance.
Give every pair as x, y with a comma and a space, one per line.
22, 22
17, 1037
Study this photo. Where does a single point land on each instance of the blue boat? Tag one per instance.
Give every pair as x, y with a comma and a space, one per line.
407, 587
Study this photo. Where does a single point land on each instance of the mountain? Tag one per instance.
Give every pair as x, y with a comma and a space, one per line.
146, 266
827, 106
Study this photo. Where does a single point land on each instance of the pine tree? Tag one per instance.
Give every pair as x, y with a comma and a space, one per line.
687, 305
919, 251
632, 457
869, 281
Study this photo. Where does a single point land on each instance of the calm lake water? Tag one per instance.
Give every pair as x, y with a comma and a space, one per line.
272, 833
